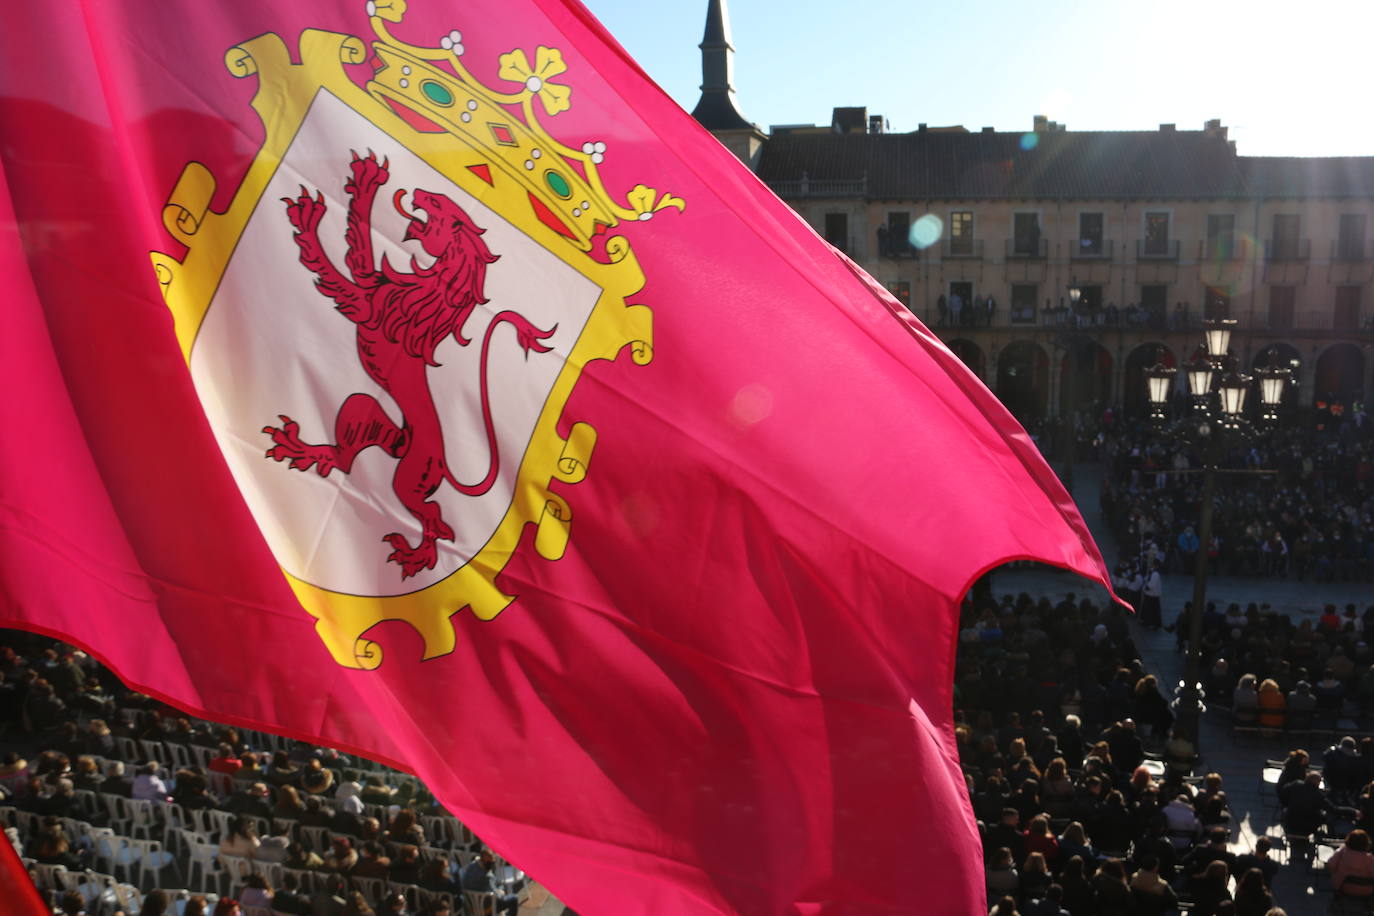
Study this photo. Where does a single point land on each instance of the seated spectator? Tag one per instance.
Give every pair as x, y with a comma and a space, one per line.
193, 790
1344, 769
281, 772
148, 786
315, 779
1038, 838
50, 846
1308, 807
289, 900
317, 813
241, 839
1074, 842
1035, 876
116, 783
1153, 896
1245, 700
1210, 889
348, 798
1302, 706
1151, 709
1259, 859
86, 775
1183, 825
256, 892
1215, 814
405, 868
1078, 889
371, 862
1294, 771
1201, 858
274, 848
342, 857
1252, 894
1006, 906
1007, 833
225, 761
300, 859
1052, 904
435, 876
1271, 704
1329, 692
14, 773
253, 800
476, 876
252, 769
375, 792
288, 803
1057, 789
1111, 893
1352, 867
405, 828
99, 741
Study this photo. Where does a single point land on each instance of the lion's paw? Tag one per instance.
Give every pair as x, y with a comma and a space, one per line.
304, 211
368, 173
411, 559
288, 445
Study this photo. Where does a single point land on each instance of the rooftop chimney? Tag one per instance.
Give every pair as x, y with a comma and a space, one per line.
1041, 123
1167, 128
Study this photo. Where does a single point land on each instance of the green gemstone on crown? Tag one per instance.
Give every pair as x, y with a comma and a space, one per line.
558, 184
436, 92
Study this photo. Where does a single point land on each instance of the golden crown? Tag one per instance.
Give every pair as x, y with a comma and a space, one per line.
433, 91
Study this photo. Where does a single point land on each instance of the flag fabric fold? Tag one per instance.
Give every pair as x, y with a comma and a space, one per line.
639, 534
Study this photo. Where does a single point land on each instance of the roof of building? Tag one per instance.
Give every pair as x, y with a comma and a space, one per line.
1166, 163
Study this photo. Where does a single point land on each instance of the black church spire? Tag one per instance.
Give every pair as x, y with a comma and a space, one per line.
717, 109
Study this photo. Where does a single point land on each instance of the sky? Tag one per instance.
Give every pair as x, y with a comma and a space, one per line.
1288, 79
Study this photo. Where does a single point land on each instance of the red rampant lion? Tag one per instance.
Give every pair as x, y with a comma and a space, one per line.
402, 318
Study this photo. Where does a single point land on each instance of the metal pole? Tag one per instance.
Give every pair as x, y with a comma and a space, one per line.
1187, 741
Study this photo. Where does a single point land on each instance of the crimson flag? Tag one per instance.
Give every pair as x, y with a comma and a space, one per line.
417, 378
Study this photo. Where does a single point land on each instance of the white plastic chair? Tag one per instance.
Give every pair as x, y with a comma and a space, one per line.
480, 903
203, 866
178, 756
47, 877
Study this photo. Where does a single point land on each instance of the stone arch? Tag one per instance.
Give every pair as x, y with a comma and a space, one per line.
1085, 375
1340, 374
1023, 375
971, 355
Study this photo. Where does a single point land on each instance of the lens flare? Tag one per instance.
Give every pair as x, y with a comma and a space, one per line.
926, 231
1029, 141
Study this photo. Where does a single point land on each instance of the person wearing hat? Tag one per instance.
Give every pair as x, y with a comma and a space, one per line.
253, 800
315, 779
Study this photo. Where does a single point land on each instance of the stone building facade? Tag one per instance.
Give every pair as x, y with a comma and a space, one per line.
1099, 250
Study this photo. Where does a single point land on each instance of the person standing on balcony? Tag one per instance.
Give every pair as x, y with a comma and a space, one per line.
956, 309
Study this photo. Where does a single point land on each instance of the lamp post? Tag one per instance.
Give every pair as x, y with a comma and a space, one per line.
1071, 342
1215, 424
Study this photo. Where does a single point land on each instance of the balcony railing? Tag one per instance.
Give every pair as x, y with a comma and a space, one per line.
1148, 250
895, 245
1287, 249
1090, 249
962, 248
1352, 250
821, 187
1220, 249
1027, 249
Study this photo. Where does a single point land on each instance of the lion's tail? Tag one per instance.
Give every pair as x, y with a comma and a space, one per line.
530, 338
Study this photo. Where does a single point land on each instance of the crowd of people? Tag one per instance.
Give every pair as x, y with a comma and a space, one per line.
1312, 519
1056, 720
72, 713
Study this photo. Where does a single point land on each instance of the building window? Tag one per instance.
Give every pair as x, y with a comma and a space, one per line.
901, 291
1350, 244
1156, 234
1281, 307
1347, 317
1025, 235
961, 232
895, 236
1023, 299
1284, 245
1221, 235
1090, 234
837, 230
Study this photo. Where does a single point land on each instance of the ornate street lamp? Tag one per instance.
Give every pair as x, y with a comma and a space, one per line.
1215, 424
